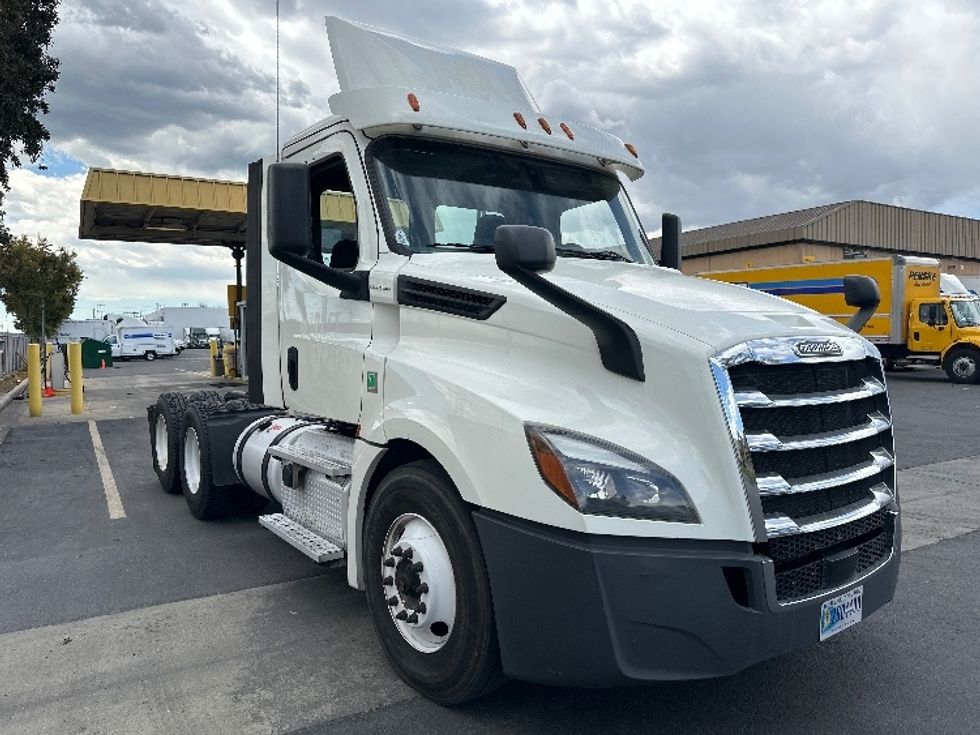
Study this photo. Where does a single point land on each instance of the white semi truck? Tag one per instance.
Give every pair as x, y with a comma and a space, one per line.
540, 454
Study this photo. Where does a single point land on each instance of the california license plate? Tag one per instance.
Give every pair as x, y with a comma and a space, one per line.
840, 612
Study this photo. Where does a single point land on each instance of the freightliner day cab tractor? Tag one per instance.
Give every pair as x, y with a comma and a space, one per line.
541, 455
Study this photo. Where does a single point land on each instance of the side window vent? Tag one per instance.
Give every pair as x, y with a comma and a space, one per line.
455, 300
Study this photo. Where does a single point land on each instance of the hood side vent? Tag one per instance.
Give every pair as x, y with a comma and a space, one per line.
464, 302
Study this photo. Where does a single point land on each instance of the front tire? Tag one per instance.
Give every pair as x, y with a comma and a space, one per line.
427, 586
962, 365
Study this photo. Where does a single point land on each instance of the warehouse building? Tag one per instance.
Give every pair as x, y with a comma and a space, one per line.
854, 229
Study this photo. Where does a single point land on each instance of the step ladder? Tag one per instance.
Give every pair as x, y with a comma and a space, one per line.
300, 537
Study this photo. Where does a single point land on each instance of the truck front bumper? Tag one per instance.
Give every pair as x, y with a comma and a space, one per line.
581, 610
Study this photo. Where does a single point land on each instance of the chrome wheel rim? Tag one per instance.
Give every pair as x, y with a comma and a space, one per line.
418, 583
964, 367
192, 461
161, 443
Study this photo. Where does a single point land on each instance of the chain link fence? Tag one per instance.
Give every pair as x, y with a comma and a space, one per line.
13, 353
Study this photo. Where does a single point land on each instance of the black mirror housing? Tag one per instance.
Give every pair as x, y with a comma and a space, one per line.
862, 292
670, 241
524, 247
289, 208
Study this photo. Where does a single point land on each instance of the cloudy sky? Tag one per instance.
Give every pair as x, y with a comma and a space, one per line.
738, 108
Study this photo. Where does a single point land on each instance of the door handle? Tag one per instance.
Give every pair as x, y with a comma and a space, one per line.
292, 367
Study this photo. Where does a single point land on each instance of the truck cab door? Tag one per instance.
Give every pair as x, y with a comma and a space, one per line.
929, 329
323, 335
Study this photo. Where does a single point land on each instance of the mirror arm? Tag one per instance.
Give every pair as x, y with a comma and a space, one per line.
619, 347
352, 285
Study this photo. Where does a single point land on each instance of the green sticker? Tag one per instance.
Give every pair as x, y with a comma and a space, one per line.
372, 382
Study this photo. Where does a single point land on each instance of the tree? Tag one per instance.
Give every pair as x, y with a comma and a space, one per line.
36, 277
27, 72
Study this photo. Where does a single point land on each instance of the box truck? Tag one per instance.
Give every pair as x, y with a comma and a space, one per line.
914, 319
538, 453
147, 342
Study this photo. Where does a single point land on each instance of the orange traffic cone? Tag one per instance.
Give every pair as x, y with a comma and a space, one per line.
102, 366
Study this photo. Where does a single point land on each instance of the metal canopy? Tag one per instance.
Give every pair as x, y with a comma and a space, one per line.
159, 208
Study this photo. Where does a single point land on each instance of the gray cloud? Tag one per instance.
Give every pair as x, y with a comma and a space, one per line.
738, 109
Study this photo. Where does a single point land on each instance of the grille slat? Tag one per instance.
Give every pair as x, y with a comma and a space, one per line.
820, 441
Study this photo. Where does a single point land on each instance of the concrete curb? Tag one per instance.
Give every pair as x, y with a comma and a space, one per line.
5, 400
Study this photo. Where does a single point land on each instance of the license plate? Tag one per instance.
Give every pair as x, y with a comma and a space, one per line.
840, 612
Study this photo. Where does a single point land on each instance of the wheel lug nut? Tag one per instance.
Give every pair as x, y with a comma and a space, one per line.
389, 580
421, 608
413, 618
389, 562
392, 601
397, 551
402, 615
423, 588
408, 553
417, 566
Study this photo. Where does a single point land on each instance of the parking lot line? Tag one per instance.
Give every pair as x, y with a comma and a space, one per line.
112, 498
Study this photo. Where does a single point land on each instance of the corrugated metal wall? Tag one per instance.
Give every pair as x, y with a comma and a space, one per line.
872, 225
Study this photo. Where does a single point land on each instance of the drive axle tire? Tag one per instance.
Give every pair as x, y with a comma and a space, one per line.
150, 356
205, 500
962, 365
427, 586
165, 434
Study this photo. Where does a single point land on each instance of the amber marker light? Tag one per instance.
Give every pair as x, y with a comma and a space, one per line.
567, 131
551, 468
520, 120
544, 125
413, 101
632, 149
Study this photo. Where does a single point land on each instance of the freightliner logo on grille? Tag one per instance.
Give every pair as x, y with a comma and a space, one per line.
818, 348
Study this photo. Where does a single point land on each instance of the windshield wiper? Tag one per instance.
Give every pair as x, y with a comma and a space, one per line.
463, 246
592, 254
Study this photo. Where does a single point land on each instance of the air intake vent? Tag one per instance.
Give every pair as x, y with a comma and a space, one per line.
455, 300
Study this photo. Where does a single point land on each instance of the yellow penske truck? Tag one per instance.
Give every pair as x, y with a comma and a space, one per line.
913, 321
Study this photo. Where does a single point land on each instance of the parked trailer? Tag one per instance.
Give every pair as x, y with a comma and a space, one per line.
914, 321
539, 454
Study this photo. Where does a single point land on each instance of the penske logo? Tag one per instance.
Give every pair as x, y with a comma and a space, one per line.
818, 348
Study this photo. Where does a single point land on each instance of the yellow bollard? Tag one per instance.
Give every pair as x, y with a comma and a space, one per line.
34, 379
75, 372
213, 345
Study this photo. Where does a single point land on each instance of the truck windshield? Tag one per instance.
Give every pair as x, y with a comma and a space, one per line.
448, 197
966, 313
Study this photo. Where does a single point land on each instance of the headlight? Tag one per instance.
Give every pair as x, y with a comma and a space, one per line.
601, 479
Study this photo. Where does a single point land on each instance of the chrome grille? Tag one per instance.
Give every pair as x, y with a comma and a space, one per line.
814, 436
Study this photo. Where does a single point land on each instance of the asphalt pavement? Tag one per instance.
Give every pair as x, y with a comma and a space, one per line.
157, 622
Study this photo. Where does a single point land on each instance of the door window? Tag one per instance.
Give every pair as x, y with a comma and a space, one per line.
932, 314
335, 239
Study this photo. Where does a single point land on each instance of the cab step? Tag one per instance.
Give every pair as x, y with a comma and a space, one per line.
299, 536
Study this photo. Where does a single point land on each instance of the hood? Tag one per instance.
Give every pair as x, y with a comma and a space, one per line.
648, 297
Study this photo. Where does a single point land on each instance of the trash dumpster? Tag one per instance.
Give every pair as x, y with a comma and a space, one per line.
94, 352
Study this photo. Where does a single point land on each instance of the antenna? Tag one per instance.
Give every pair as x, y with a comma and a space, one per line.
277, 80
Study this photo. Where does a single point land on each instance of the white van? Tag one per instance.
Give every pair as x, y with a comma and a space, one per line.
146, 342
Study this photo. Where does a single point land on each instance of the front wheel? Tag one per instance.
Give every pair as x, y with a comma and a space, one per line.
427, 586
962, 365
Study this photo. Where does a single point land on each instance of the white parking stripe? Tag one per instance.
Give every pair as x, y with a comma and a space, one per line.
112, 498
